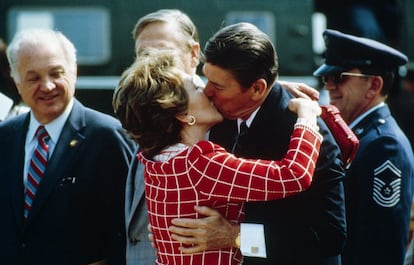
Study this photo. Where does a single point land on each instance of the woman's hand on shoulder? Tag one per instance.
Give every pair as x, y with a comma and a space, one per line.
305, 108
300, 90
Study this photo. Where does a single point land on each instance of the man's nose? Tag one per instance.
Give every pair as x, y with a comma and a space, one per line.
48, 84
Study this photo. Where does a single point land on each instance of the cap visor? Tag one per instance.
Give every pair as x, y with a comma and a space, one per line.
328, 70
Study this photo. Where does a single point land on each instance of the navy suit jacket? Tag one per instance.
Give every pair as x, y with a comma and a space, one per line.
305, 229
77, 214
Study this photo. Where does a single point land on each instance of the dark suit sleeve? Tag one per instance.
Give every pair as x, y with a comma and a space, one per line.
331, 228
114, 165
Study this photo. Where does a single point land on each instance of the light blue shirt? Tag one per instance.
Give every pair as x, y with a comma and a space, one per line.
54, 128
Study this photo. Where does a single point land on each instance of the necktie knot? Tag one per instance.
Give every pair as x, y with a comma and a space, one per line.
42, 137
243, 129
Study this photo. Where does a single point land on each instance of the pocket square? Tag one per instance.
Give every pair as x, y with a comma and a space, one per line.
68, 180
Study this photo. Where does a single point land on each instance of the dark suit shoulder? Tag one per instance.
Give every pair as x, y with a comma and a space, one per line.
14, 121
99, 125
13, 128
100, 119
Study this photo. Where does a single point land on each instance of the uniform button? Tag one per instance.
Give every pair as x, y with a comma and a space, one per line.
134, 241
359, 131
381, 121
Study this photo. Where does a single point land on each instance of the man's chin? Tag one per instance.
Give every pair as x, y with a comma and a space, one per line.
230, 117
335, 102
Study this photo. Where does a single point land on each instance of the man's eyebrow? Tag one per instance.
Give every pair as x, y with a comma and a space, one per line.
30, 72
57, 67
215, 83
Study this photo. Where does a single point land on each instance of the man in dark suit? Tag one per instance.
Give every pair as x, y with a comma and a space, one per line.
154, 30
359, 74
76, 213
307, 229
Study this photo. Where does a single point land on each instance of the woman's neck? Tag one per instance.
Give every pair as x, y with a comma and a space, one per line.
191, 135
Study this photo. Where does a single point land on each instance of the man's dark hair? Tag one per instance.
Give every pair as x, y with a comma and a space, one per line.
245, 51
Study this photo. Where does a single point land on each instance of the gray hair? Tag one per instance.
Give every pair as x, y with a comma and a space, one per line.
185, 26
35, 36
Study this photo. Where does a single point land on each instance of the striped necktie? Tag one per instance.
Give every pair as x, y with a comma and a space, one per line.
37, 167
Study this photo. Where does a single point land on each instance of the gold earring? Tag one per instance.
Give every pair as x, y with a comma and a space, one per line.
193, 120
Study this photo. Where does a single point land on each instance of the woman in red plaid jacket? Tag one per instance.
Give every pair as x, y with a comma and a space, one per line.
169, 117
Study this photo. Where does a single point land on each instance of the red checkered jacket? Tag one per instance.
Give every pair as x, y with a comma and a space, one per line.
206, 175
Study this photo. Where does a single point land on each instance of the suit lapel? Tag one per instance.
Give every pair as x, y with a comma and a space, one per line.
67, 146
129, 188
134, 193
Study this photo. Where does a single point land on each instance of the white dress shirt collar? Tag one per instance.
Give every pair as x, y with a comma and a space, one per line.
361, 117
54, 128
249, 120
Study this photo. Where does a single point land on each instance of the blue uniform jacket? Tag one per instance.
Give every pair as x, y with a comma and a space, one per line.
379, 192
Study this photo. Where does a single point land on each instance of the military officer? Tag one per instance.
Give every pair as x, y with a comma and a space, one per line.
358, 74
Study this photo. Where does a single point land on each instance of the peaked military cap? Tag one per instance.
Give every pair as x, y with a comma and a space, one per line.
344, 52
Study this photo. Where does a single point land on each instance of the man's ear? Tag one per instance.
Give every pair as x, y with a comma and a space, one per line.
18, 86
75, 73
195, 55
258, 89
376, 86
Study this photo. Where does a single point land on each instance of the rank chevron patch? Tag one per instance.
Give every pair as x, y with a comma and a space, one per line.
387, 185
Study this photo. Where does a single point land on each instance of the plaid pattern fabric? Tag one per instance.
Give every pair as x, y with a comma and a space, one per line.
205, 174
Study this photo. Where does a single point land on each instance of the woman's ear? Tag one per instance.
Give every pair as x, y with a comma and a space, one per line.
182, 118
258, 89
187, 119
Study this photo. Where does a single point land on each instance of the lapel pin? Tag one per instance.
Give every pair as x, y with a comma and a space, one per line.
73, 143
